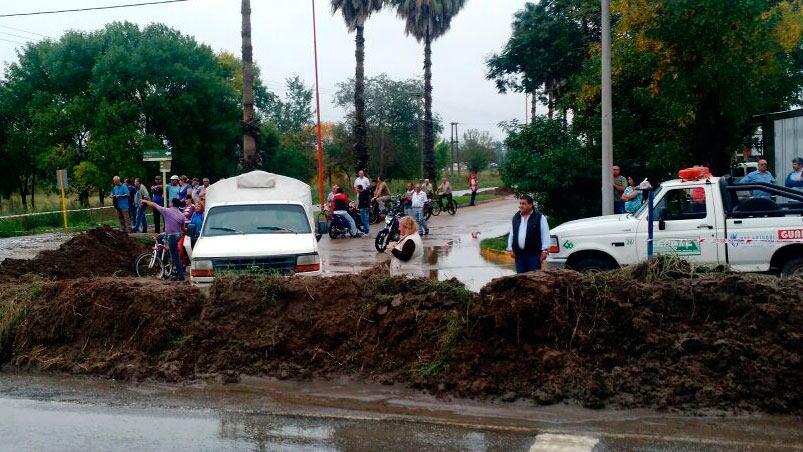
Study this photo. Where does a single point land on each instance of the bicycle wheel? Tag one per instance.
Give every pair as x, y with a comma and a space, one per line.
436, 208
149, 265
381, 242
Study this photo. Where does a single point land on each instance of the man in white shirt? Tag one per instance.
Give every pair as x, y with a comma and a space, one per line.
528, 242
361, 180
419, 198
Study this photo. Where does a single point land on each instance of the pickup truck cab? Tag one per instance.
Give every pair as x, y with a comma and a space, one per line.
256, 223
707, 221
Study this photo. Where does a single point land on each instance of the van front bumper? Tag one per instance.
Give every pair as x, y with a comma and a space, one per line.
554, 264
206, 282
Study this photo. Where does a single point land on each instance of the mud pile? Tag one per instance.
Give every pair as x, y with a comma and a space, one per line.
99, 252
727, 341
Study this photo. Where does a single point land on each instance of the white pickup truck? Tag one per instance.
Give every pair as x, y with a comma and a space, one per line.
707, 221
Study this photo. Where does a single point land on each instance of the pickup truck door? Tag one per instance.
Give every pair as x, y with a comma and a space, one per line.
689, 218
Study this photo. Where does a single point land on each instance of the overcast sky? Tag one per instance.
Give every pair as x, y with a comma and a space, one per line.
282, 39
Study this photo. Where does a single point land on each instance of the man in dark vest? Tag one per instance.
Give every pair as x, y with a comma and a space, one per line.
528, 242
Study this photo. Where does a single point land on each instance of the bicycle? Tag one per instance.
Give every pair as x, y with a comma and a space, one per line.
157, 262
450, 206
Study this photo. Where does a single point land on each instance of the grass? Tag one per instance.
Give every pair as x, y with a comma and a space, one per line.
14, 302
46, 201
466, 199
77, 222
495, 243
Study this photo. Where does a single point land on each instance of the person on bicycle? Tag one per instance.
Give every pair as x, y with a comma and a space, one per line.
426, 187
174, 227
445, 191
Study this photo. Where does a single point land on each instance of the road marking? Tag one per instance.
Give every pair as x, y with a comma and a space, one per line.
550, 442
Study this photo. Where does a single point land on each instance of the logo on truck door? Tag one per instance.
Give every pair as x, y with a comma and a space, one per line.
680, 247
790, 234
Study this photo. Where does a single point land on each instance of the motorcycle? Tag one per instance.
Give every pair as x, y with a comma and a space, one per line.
340, 226
390, 233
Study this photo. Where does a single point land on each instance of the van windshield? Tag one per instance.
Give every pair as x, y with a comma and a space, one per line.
256, 219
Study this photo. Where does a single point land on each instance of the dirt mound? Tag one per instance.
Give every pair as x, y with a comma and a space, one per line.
715, 341
99, 252
112, 326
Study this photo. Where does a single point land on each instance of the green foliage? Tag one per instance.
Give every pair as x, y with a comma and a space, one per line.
688, 76
495, 243
478, 149
393, 114
555, 166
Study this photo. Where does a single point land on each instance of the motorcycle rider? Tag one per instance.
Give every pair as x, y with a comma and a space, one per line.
341, 207
381, 193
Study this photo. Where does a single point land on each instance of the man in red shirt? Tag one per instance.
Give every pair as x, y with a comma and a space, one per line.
473, 185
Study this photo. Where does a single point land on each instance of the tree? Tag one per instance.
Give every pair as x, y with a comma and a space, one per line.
105, 96
478, 149
294, 113
428, 20
250, 158
393, 114
548, 47
355, 14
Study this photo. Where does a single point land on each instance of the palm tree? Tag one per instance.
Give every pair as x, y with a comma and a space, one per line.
249, 155
355, 13
428, 20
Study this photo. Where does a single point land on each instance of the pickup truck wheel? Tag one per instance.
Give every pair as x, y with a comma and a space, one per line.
793, 267
591, 265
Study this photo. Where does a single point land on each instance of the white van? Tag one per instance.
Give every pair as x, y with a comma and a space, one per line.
256, 223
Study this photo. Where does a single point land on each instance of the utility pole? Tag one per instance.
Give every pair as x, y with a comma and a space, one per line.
249, 156
318, 107
607, 112
455, 147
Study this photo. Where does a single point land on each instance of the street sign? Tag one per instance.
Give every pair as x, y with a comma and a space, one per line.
164, 166
61, 177
157, 155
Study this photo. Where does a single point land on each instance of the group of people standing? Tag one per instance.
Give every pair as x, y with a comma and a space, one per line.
186, 204
128, 195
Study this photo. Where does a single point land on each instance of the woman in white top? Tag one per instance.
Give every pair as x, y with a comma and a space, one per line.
407, 256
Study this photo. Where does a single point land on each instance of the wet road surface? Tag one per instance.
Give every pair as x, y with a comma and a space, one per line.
26, 247
41, 412
452, 248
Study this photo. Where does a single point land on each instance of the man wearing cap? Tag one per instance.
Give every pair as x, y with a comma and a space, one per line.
795, 178
173, 189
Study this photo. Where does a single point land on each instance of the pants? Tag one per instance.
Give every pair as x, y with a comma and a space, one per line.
473, 199
418, 214
125, 220
447, 197
525, 264
366, 223
178, 267
381, 201
132, 209
618, 207
142, 220
157, 221
352, 224
408, 211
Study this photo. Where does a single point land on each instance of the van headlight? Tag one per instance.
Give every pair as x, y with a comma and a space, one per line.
202, 268
308, 263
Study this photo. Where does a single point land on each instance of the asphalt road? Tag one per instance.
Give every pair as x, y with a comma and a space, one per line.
41, 412
452, 249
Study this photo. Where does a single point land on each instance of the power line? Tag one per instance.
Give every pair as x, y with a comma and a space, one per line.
17, 36
24, 31
14, 42
95, 8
